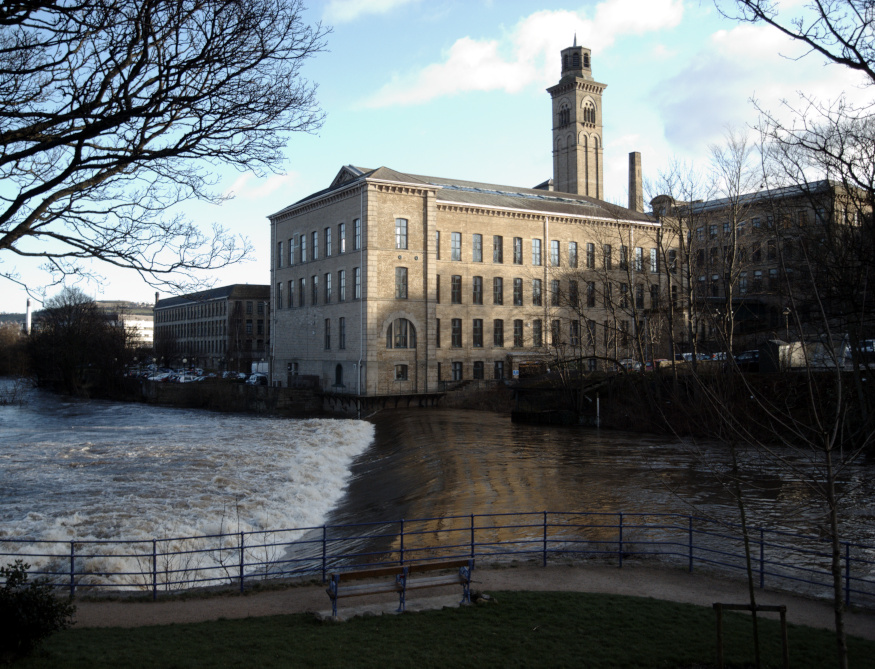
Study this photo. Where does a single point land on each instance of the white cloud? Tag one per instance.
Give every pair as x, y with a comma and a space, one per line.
248, 187
533, 47
344, 11
716, 89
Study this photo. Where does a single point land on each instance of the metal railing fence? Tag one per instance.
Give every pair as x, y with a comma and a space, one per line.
779, 559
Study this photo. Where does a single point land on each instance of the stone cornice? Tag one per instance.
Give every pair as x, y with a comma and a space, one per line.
577, 85
525, 214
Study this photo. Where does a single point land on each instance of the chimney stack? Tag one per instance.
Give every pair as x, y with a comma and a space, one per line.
27, 319
636, 191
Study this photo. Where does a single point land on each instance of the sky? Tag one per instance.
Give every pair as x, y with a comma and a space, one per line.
456, 88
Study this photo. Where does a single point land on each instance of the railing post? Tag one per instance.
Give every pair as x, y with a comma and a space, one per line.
690, 541
472, 536
154, 570
847, 574
621, 540
402, 542
324, 553
72, 569
242, 561
762, 559
544, 564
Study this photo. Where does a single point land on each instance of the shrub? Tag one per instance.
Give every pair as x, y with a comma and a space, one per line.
29, 612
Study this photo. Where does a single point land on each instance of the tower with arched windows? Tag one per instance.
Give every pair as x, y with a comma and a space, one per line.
577, 126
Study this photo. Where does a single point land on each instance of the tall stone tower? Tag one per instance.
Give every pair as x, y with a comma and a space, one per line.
577, 126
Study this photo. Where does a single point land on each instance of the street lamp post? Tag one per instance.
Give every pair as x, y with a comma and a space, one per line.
787, 323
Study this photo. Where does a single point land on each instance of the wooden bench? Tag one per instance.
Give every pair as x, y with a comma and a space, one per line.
401, 579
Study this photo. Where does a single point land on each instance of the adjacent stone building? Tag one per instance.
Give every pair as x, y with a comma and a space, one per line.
388, 283
225, 328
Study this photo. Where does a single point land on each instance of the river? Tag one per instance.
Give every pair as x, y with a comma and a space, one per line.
76, 469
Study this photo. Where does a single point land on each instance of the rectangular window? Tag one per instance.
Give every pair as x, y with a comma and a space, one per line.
291, 293
673, 261
517, 250
437, 288
477, 284
302, 292
341, 285
536, 292
700, 233
400, 233
315, 246
314, 284
555, 333
457, 371
279, 255
639, 259
554, 253
773, 279
400, 372
757, 281
537, 338
517, 292
327, 333
497, 249
341, 333
654, 261
328, 288
341, 237
456, 246
742, 283
536, 252
518, 332
574, 333
497, 290
456, 333
624, 257
573, 296
327, 236
654, 296
590, 333
609, 294
478, 369
639, 296
477, 248
357, 234
624, 296
249, 326
590, 255
498, 332
554, 293
400, 283
606, 254
477, 333
303, 246
291, 251
456, 289
437, 244
279, 295
498, 369
357, 283
572, 255
437, 332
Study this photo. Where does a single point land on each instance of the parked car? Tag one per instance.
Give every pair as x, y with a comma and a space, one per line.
630, 365
257, 379
748, 361
651, 365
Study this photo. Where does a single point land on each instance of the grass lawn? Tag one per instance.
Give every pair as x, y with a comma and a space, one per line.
518, 629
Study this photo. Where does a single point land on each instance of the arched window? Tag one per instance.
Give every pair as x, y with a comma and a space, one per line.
401, 334
586, 60
575, 60
588, 112
564, 62
564, 116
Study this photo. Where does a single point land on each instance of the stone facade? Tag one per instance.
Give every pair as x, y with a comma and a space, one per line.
451, 271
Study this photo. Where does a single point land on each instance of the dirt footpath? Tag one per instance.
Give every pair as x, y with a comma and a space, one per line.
667, 584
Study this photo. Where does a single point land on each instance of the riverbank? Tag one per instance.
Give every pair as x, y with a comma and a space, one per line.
633, 580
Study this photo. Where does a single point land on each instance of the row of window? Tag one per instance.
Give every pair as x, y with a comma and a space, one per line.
642, 259
296, 291
570, 298
478, 370
305, 247
726, 255
536, 339
754, 282
208, 310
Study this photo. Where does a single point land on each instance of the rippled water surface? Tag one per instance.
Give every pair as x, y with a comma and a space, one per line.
89, 469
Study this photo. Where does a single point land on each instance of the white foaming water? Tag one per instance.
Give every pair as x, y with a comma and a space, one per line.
101, 470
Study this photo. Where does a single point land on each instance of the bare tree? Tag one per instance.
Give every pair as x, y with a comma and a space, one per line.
114, 111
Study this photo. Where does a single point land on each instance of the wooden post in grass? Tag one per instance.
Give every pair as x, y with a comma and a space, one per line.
782, 610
